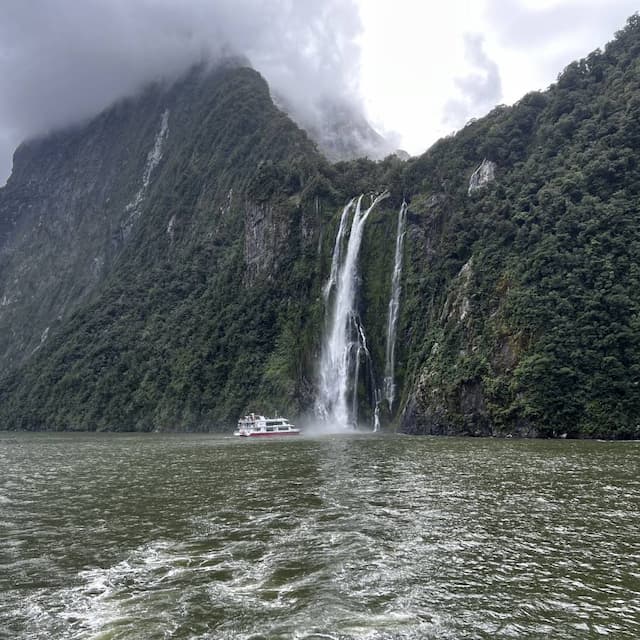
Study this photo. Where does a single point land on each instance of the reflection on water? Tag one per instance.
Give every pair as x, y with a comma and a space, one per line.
378, 537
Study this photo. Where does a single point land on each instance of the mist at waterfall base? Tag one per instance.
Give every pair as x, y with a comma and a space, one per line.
345, 356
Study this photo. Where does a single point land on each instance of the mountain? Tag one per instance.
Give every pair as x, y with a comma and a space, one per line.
163, 266
342, 133
191, 224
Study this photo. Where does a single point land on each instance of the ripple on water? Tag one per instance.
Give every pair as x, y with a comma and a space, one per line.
343, 538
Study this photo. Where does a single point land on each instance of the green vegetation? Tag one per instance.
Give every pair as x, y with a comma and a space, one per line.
521, 300
554, 302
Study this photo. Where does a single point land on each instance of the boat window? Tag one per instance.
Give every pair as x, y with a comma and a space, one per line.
270, 429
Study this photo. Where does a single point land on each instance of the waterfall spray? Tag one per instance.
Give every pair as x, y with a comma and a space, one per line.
376, 417
344, 336
394, 308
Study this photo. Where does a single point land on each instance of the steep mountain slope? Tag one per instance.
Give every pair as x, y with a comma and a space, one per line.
520, 304
144, 350
64, 216
534, 280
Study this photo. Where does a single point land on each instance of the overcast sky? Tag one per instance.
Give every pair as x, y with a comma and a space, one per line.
418, 69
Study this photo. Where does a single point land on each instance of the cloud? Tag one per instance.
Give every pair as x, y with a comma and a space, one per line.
63, 60
558, 31
480, 89
522, 24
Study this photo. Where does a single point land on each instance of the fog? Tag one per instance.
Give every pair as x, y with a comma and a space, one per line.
63, 60
426, 67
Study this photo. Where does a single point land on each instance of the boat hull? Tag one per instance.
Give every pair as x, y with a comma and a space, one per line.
269, 435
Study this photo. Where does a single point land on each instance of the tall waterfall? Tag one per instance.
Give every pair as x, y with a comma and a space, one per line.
394, 309
344, 341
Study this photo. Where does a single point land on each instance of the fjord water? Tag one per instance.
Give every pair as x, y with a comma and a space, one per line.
350, 536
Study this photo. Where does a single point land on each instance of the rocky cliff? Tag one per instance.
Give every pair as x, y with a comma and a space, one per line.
162, 266
525, 238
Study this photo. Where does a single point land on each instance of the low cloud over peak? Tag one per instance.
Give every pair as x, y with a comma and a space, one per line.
62, 61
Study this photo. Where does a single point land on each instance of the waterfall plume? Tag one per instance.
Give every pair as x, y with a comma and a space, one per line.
344, 340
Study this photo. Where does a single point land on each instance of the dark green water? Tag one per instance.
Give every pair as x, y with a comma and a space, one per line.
153, 536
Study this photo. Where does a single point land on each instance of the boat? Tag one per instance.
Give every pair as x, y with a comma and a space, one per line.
254, 425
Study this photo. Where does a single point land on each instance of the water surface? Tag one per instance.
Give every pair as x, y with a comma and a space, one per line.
377, 537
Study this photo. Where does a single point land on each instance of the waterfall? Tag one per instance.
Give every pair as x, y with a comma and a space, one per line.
344, 340
362, 349
337, 251
133, 209
394, 308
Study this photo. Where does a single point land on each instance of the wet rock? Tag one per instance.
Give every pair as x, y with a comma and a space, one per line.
482, 176
266, 240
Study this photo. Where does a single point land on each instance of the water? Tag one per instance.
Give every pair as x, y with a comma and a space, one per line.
351, 536
153, 159
394, 311
362, 353
344, 332
336, 258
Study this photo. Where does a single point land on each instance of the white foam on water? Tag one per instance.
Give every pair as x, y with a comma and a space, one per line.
112, 599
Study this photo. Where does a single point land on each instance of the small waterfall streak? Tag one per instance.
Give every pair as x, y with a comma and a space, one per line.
153, 158
337, 360
356, 382
133, 209
376, 413
362, 349
394, 309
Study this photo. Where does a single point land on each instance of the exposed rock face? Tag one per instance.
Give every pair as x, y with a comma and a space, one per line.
450, 395
458, 303
266, 238
482, 176
434, 408
429, 412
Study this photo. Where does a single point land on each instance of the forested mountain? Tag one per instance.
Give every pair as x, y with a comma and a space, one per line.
162, 266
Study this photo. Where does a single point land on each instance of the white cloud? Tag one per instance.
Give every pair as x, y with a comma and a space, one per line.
63, 60
479, 89
411, 63
414, 56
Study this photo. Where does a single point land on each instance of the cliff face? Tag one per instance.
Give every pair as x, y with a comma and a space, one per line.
162, 266
149, 241
65, 212
531, 304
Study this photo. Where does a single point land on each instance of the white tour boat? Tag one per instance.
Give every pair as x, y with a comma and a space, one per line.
256, 425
